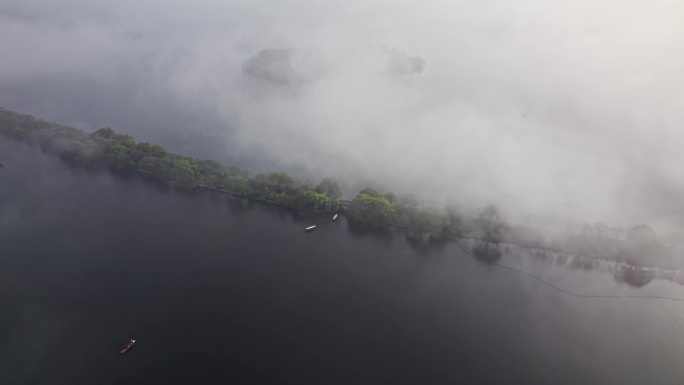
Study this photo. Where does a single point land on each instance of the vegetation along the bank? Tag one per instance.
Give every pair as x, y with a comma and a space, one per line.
370, 208
116, 151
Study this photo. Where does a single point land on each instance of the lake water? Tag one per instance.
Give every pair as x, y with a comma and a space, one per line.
217, 290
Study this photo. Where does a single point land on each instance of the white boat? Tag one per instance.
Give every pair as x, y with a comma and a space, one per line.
310, 228
335, 217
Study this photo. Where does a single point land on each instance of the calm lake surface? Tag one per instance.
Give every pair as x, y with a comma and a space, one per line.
221, 291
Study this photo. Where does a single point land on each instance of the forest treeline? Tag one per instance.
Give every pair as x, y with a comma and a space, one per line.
370, 208
105, 147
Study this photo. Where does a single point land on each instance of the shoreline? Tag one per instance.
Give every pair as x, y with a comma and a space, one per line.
106, 149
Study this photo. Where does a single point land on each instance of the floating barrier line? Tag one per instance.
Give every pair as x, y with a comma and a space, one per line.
549, 284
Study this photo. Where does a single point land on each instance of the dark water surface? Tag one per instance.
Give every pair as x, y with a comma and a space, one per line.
218, 290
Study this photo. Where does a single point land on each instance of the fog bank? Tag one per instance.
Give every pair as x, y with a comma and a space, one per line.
563, 108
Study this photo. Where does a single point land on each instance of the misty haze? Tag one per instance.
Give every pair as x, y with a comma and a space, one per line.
341, 192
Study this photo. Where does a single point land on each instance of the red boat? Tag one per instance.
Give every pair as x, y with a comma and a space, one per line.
128, 347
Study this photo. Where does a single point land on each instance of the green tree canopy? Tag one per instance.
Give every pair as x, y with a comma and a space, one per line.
150, 150
126, 140
453, 219
105, 133
185, 169
371, 192
279, 179
329, 187
118, 156
314, 200
407, 202
371, 209
209, 167
426, 218
303, 184
492, 224
237, 184
392, 197
153, 165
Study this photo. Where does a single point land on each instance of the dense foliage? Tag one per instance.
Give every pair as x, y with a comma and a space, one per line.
106, 147
371, 209
118, 151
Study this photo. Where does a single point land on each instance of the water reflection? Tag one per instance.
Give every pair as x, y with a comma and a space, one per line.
634, 276
488, 252
425, 243
629, 274
380, 233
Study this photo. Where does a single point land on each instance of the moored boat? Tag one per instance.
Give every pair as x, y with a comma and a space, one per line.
128, 346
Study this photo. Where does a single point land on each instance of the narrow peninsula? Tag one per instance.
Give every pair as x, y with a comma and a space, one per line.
419, 219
